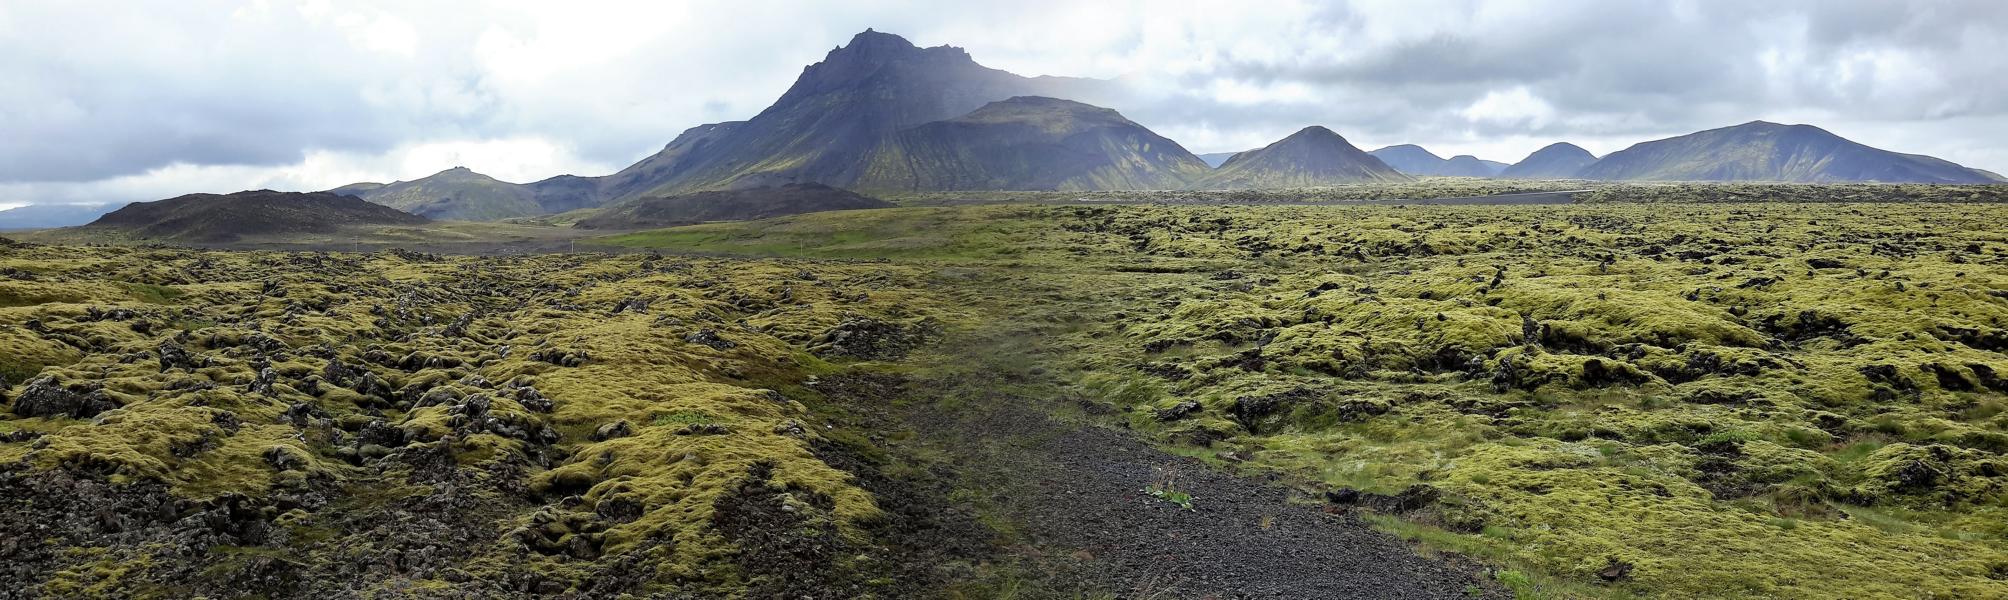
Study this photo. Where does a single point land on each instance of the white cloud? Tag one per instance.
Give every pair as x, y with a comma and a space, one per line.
215, 95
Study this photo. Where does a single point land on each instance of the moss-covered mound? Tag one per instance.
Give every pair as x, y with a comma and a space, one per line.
1674, 400
186, 423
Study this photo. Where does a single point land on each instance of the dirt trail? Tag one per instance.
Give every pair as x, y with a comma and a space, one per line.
1073, 492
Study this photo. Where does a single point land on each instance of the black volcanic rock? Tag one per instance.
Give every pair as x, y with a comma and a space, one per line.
1762, 151
213, 218
1559, 160
1313, 156
729, 205
1031, 143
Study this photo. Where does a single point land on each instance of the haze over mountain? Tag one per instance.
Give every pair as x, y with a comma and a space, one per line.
1031, 143
1215, 159
1764, 151
727, 205
1414, 160
41, 216
217, 218
1560, 160
1313, 156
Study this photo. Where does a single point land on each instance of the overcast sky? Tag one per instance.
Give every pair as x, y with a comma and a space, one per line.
117, 100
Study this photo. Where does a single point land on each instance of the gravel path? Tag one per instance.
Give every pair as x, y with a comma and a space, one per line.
1076, 492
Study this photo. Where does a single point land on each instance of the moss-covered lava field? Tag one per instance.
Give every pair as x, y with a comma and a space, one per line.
1598, 400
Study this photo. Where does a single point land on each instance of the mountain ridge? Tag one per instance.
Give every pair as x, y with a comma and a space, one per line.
1766, 151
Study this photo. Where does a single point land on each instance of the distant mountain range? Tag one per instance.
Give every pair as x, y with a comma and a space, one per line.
219, 218
42, 216
1313, 156
1414, 160
881, 115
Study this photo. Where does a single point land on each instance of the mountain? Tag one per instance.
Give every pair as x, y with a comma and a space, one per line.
1762, 151
565, 193
1313, 156
208, 218
1559, 160
728, 205
1465, 165
1215, 159
457, 194
830, 126
1414, 160
1991, 175
1410, 159
1030, 143
44, 216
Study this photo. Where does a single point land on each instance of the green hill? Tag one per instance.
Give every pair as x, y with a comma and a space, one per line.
457, 194
1313, 156
1762, 151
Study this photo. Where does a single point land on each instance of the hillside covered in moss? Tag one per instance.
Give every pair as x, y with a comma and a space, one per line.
1730, 400
232, 424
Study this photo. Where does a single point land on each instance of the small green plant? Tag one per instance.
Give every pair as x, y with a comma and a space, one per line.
1165, 488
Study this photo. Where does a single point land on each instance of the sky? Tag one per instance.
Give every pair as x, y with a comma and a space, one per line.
123, 100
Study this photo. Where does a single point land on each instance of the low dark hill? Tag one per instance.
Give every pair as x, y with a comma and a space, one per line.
1311, 157
1560, 160
1761, 151
213, 218
1032, 143
730, 205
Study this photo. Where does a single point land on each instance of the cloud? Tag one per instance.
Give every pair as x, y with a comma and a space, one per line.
115, 101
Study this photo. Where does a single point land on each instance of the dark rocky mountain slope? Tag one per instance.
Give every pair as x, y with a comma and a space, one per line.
1031, 143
